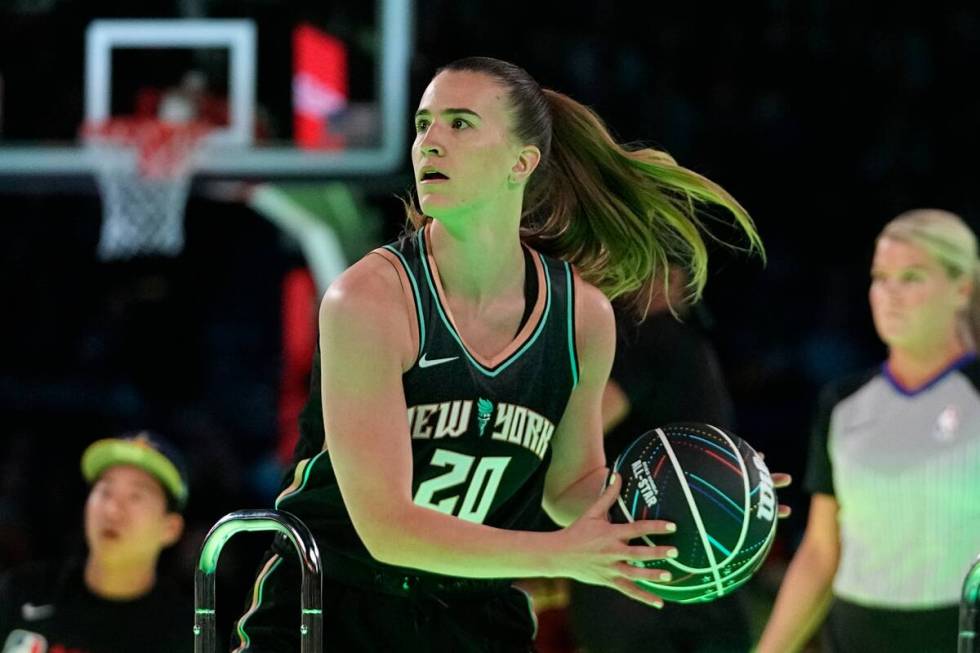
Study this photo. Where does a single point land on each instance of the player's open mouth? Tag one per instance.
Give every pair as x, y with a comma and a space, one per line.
430, 175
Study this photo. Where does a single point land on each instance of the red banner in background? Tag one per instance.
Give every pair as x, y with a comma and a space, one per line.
299, 315
319, 87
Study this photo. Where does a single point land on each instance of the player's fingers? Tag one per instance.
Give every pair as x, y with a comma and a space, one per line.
643, 527
781, 480
784, 511
630, 589
642, 573
643, 553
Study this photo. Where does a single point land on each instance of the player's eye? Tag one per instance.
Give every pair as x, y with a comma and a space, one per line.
459, 123
420, 126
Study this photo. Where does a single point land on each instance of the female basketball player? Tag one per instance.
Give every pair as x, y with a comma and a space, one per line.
894, 520
461, 372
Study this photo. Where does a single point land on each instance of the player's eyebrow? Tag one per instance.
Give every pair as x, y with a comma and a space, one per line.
452, 111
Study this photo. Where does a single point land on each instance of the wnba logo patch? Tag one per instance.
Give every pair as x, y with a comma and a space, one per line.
22, 641
947, 424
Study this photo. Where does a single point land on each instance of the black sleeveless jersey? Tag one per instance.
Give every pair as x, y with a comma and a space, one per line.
480, 430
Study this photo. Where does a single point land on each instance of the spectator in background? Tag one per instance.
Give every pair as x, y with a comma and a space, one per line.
111, 601
665, 370
894, 520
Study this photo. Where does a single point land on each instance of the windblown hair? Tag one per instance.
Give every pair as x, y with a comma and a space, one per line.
949, 241
620, 215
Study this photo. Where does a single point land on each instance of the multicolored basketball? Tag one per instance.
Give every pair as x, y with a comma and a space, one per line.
717, 490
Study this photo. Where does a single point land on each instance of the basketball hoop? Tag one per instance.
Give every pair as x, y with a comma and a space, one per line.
143, 169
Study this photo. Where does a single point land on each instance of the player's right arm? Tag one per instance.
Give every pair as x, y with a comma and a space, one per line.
366, 345
805, 593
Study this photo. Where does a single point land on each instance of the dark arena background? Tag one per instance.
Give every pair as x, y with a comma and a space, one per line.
825, 119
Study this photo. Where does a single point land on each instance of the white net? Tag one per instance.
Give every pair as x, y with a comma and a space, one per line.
143, 169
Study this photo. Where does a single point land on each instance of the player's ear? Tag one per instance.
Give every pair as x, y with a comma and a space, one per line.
173, 528
528, 159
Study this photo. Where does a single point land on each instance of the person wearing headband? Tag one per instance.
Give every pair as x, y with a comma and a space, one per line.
112, 600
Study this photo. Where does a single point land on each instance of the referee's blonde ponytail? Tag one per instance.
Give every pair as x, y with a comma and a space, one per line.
972, 318
620, 215
951, 242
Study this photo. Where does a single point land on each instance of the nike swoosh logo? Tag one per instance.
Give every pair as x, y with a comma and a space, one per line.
425, 362
33, 612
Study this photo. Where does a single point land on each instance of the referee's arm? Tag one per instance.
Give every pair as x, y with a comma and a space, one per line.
806, 590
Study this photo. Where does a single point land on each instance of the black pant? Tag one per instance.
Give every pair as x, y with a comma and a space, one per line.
376, 618
851, 628
605, 621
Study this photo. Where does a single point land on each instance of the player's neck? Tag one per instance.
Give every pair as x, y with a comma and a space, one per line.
476, 265
913, 367
119, 582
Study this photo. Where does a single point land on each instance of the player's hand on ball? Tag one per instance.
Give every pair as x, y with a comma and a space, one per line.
598, 552
780, 480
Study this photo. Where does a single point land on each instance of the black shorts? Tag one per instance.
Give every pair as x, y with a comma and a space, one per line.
606, 621
384, 616
852, 628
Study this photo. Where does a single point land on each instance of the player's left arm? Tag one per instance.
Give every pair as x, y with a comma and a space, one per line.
578, 464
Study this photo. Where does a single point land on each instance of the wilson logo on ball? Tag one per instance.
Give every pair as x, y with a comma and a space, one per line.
767, 497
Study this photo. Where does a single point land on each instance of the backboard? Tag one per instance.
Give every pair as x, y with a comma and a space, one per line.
297, 89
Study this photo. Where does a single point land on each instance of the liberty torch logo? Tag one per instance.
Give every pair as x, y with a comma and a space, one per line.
483, 409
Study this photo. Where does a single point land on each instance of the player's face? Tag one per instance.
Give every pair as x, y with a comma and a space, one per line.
914, 302
126, 518
462, 131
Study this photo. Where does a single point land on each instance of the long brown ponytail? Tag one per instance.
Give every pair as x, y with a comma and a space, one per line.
621, 216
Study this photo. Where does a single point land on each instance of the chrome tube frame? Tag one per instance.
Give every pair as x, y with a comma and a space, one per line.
970, 611
311, 628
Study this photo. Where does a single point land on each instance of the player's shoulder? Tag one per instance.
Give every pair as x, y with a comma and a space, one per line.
370, 274
595, 321
365, 305
369, 286
593, 310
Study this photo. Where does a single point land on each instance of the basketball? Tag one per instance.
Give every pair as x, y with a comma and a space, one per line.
717, 490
